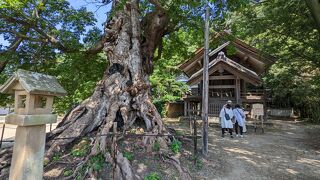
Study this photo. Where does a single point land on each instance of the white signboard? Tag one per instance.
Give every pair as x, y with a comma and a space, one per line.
257, 110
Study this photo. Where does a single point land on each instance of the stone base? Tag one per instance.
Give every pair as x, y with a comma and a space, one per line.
28, 153
31, 120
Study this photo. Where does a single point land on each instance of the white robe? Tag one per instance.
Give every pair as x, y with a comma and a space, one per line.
240, 116
224, 122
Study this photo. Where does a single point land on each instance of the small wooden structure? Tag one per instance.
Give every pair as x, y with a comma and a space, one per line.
34, 94
258, 113
234, 76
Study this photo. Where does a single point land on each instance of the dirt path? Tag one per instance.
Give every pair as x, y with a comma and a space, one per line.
285, 151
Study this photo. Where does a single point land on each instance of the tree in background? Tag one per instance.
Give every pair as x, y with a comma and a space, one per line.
288, 31
176, 49
53, 38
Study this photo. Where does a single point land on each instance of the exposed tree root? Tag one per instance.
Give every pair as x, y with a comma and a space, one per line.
5, 160
184, 174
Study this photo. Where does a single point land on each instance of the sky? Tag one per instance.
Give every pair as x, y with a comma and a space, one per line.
99, 13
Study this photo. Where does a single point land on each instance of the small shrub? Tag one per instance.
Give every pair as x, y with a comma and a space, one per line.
198, 162
128, 155
81, 149
176, 146
152, 176
67, 172
160, 105
56, 157
156, 146
97, 162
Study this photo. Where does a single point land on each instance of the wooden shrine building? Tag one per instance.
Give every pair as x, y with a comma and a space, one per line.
234, 77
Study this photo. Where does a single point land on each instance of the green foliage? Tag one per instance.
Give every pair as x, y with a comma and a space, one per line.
286, 30
56, 157
78, 76
176, 146
160, 105
12, 3
152, 176
129, 155
176, 49
156, 146
67, 172
44, 23
198, 162
97, 162
81, 149
180, 45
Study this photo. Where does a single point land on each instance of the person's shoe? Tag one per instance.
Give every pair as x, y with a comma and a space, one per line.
241, 136
237, 135
231, 136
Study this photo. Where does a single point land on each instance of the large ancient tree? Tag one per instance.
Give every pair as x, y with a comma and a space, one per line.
133, 32
123, 94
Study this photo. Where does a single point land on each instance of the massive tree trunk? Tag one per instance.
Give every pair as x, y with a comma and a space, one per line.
123, 94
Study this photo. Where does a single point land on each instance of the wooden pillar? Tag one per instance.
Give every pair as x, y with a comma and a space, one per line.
244, 86
188, 108
205, 84
200, 89
185, 107
265, 116
238, 95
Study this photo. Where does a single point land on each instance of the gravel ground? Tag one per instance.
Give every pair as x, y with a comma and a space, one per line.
287, 150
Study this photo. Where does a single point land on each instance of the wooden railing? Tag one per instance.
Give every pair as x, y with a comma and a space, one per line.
195, 92
214, 108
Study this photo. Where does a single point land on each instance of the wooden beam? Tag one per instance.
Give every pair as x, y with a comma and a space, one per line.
244, 60
192, 64
222, 86
222, 77
199, 63
249, 79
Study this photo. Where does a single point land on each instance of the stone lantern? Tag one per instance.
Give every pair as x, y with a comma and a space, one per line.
33, 101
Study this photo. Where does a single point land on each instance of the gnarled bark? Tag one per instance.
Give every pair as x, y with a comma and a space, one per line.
123, 94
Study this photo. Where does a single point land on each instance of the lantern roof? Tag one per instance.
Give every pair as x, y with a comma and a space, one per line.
33, 83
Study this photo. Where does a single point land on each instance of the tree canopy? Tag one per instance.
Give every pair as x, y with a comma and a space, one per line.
288, 31
55, 38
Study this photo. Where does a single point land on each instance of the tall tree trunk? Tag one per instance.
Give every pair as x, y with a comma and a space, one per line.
123, 94
314, 7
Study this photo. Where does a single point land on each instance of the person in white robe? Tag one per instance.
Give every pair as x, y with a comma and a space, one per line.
240, 119
226, 124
